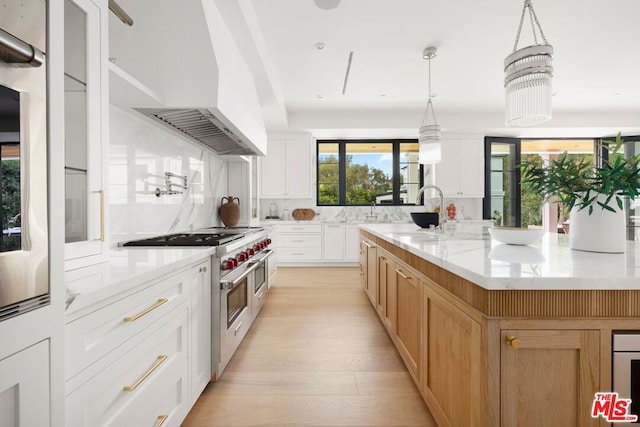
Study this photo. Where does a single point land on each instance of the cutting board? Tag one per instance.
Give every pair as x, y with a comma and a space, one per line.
303, 214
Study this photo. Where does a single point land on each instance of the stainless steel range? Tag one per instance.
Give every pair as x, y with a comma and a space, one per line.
239, 281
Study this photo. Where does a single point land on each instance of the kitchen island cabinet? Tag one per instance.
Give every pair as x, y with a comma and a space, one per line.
504, 343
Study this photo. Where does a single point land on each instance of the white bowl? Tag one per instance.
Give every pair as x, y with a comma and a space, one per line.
516, 236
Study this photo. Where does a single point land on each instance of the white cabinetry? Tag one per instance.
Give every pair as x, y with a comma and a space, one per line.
135, 385
461, 171
299, 243
341, 242
352, 243
333, 242
286, 170
143, 358
86, 127
24, 391
200, 328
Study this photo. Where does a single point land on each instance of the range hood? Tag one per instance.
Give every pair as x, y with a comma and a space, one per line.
202, 87
203, 126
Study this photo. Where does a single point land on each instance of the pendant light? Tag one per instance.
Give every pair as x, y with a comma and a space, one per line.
527, 82
429, 134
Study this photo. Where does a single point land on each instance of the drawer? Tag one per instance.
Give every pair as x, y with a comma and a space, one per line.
299, 241
299, 254
89, 338
157, 369
300, 228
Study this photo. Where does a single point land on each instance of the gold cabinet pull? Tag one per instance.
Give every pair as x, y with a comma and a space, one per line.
383, 258
512, 341
101, 192
403, 275
159, 361
161, 420
147, 311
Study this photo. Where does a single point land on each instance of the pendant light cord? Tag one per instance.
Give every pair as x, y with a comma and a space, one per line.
534, 22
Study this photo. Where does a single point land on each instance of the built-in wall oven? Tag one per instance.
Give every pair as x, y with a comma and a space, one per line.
626, 368
24, 278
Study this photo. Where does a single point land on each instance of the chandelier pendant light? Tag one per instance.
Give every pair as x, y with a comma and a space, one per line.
528, 74
429, 133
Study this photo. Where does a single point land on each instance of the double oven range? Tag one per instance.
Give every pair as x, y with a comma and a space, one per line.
239, 280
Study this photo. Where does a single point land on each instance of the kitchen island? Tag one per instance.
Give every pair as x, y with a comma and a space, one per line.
499, 335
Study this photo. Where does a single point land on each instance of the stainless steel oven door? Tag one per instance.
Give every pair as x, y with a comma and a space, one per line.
24, 281
626, 378
235, 316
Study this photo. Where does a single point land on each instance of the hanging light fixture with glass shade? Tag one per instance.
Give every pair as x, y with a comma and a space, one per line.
429, 134
527, 81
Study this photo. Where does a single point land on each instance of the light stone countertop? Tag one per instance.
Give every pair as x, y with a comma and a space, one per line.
469, 252
126, 269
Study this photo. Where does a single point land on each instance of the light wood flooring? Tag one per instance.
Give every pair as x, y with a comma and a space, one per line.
317, 355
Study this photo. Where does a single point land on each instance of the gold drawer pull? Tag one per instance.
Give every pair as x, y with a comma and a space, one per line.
159, 361
403, 275
161, 420
147, 311
383, 258
512, 341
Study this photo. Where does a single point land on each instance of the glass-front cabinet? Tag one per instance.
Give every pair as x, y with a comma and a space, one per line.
85, 112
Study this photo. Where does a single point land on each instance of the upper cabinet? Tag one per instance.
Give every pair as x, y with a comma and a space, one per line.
86, 125
286, 170
461, 171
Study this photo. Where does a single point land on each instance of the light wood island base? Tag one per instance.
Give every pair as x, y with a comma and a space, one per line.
496, 357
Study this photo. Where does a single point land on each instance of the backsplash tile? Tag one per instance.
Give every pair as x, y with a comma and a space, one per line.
140, 153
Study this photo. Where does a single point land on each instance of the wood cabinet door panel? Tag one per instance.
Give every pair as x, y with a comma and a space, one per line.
550, 378
451, 367
408, 318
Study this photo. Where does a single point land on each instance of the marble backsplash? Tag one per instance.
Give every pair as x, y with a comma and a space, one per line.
466, 209
140, 153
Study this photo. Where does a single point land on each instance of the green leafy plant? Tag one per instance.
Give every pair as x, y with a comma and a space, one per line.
578, 182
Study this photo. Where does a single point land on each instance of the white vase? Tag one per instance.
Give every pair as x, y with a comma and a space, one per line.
602, 231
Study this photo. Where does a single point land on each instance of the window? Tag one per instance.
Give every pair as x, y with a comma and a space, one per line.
357, 173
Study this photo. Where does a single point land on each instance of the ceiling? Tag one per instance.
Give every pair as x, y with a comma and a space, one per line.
596, 65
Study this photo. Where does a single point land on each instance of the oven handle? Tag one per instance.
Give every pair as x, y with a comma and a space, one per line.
20, 51
228, 285
266, 254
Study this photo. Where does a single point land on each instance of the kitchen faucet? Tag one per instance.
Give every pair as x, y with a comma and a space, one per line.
372, 215
441, 217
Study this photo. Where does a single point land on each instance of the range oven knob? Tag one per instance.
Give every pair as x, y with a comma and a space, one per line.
268, 241
243, 256
257, 247
263, 244
228, 264
251, 252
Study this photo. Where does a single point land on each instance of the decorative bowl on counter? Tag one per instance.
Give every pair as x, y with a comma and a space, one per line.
425, 219
515, 235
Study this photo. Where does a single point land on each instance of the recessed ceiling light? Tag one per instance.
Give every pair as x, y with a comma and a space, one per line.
319, 96
617, 94
382, 95
320, 46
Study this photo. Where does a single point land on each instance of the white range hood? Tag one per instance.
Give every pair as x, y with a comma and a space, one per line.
205, 89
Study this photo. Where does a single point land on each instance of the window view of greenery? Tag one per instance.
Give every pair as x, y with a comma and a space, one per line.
366, 171
532, 206
10, 240
328, 174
